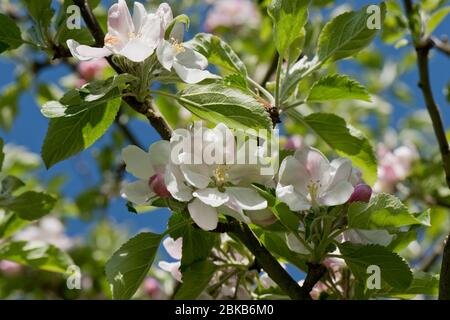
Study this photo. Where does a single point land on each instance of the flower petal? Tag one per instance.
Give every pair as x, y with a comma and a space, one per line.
237, 213
137, 192
360, 236
192, 76
173, 268
246, 198
203, 215
196, 174
338, 194
159, 153
138, 162
166, 55
174, 247
175, 184
165, 13
192, 59
340, 169
314, 161
296, 201
293, 172
137, 50
84, 53
211, 196
119, 20
139, 16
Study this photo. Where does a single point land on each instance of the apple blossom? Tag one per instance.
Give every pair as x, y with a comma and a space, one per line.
135, 38
362, 193
219, 187
308, 179
232, 13
174, 249
149, 168
90, 70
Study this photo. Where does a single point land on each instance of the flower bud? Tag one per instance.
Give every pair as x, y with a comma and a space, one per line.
152, 287
158, 186
362, 193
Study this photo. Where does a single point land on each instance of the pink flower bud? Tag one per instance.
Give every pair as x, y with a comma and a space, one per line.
152, 287
158, 186
90, 70
362, 193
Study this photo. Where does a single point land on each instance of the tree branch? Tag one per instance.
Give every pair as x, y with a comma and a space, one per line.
423, 47
441, 45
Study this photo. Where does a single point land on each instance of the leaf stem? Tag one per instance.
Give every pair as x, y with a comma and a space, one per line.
278, 82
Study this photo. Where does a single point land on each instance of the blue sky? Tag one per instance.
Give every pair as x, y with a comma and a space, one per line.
30, 128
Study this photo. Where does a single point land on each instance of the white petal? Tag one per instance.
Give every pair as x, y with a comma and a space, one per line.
359, 236
138, 162
196, 175
137, 192
341, 170
192, 76
314, 161
293, 172
211, 196
119, 20
295, 245
203, 215
338, 194
262, 217
84, 53
296, 201
175, 184
234, 212
166, 55
159, 153
139, 16
192, 59
151, 32
246, 198
174, 247
137, 50
173, 268
165, 12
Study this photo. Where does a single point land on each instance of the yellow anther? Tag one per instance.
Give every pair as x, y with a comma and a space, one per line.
177, 46
220, 174
111, 40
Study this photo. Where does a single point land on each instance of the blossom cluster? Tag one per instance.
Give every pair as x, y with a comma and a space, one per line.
137, 37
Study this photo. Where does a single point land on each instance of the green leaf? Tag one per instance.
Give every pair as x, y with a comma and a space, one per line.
422, 283
436, 19
197, 245
129, 265
195, 279
218, 103
182, 18
337, 87
346, 140
394, 270
383, 211
37, 255
10, 223
30, 205
289, 17
42, 13
347, 34
69, 136
236, 80
217, 52
10, 35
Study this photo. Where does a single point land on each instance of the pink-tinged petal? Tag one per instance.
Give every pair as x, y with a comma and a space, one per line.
203, 215
137, 192
174, 247
246, 198
165, 13
314, 161
136, 50
211, 196
166, 55
175, 184
138, 162
84, 53
173, 268
362, 193
338, 194
294, 200
157, 185
152, 30
192, 76
139, 16
119, 20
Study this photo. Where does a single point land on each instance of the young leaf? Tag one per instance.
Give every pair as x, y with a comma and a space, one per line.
68, 136
36, 254
10, 223
195, 279
435, 20
394, 270
129, 265
217, 52
30, 205
383, 211
289, 17
337, 87
42, 13
197, 245
10, 35
346, 140
347, 34
218, 103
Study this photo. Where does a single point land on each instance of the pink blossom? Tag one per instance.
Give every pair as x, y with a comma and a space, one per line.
293, 143
232, 13
152, 287
90, 70
10, 267
158, 186
362, 193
